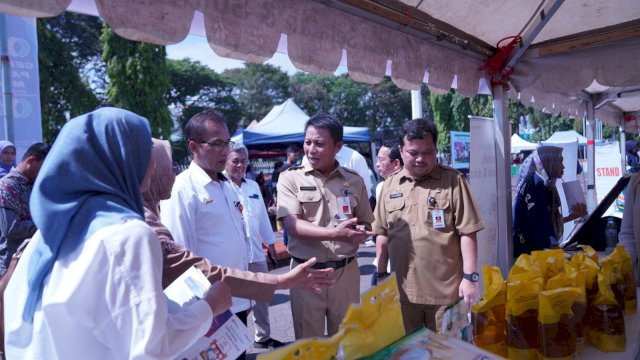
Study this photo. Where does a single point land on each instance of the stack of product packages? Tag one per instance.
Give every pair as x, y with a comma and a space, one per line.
549, 306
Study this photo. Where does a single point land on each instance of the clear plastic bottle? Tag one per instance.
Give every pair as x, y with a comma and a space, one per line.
611, 235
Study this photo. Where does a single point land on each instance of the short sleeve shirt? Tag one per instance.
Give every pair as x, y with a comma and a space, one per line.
427, 259
305, 192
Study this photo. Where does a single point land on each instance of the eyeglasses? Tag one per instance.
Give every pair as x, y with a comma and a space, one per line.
238, 162
217, 144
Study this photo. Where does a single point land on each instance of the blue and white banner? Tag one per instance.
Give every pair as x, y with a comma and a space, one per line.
22, 41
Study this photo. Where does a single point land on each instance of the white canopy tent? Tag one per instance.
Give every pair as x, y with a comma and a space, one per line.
577, 57
518, 144
566, 136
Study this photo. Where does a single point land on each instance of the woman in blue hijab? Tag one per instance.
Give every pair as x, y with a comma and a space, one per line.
7, 157
89, 283
631, 152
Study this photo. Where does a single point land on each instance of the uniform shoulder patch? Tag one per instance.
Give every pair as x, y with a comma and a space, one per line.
350, 170
449, 168
296, 167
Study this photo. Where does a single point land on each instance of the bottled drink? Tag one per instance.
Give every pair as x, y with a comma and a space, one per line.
611, 234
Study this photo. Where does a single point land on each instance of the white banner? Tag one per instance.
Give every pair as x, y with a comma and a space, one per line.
482, 175
608, 169
22, 41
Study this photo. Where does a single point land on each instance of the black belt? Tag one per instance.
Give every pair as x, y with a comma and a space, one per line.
335, 265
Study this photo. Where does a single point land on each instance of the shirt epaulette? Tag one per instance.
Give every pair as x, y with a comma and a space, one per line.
296, 167
350, 170
446, 167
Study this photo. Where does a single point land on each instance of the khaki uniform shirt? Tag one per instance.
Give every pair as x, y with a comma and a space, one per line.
305, 192
427, 260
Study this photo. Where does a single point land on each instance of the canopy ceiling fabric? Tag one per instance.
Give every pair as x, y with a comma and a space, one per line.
318, 32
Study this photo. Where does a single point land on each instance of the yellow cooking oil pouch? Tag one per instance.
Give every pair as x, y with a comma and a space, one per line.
488, 314
367, 327
550, 262
524, 264
522, 315
590, 252
630, 296
578, 278
605, 321
591, 269
556, 330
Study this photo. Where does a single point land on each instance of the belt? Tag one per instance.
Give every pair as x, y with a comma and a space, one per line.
335, 265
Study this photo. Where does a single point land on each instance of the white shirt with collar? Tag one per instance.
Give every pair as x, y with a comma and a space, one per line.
205, 216
256, 218
351, 159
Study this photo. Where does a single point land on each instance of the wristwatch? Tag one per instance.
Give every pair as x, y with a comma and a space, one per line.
382, 274
473, 277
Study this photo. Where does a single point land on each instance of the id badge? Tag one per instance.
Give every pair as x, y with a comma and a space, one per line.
344, 205
438, 218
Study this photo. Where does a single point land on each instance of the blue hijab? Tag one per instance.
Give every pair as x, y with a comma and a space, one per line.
89, 180
4, 168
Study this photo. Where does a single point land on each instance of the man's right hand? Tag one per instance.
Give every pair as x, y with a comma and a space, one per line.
346, 232
218, 296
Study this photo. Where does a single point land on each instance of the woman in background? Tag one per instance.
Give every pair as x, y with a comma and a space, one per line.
7, 157
629, 235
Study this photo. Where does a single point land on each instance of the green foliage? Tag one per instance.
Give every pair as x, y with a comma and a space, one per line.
63, 93
451, 112
258, 88
138, 80
195, 87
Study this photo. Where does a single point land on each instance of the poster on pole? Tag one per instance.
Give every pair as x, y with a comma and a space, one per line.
460, 149
484, 187
22, 42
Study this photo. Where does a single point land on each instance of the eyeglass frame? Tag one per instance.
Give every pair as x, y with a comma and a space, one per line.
216, 144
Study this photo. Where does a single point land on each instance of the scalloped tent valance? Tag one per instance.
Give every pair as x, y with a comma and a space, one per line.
316, 35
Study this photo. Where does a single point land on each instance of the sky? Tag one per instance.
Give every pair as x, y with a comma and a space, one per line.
196, 48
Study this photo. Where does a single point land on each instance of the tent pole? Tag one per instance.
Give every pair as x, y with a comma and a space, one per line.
592, 200
416, 103
503, 176
7, 97
623, 149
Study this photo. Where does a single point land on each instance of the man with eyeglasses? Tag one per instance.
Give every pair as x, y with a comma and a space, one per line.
204, 213
427, 220
258, 229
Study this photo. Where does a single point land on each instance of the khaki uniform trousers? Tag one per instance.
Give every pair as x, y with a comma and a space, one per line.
417, 315
310, 310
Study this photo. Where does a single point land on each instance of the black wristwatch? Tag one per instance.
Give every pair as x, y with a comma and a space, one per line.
473, 277
382, 274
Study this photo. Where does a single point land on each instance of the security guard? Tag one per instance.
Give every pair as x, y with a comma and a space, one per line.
326, 211
426, 223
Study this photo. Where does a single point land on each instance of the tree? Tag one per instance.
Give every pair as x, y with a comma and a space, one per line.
195, 87
138, 79
258, 88
63, 93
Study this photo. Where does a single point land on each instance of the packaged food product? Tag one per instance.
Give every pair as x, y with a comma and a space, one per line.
605, 322
573, 278
630, 296
488, 315
556, 325
522, 315
550, 262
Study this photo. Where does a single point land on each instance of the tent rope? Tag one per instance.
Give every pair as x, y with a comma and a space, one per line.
496, 64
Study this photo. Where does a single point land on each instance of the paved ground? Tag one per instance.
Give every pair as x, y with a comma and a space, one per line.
280, 309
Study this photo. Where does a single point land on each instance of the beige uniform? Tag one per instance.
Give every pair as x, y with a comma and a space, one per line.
425, 256
306, 193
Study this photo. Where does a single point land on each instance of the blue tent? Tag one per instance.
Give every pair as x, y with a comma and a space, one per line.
285, 124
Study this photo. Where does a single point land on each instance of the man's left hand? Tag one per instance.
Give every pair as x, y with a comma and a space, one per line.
469, 291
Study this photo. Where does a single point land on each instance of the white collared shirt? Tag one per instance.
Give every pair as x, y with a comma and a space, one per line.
205, 216
256, 218
103, 300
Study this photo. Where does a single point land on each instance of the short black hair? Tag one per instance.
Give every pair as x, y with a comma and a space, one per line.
38, 151
293, 149
328, 122
418, 129
195, 126
277, 164
394, 154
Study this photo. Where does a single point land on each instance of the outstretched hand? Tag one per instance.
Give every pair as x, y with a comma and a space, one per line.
348, 232
218, 296
306, 278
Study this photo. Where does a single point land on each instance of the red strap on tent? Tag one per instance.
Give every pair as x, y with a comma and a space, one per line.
496, 64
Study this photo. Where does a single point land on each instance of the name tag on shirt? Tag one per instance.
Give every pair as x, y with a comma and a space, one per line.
395, 195
438, 218
254, 196
344, 205
308, 188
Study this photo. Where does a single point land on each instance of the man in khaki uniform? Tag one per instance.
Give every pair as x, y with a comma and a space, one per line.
321, 204
427, 223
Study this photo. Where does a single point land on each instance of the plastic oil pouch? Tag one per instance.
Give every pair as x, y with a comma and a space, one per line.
556, 329
488, 315
522, 315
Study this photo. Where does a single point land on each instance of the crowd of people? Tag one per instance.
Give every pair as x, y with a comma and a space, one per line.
110, 226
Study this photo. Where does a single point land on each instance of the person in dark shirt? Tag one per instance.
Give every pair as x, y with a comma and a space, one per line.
16, 224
